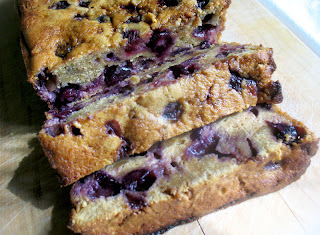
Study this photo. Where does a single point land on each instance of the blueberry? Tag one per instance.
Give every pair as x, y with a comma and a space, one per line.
134, 19
103, 19
196, 134
60, 5
144, 64
185, 68
139, 180
68, 94
161, 41
111, 57
83, 3
202, 3
276, 92
254, 110
204, 45
169, 3
287, 133
173, 111
125, 148
107, 181
116, 73
105, 186
63, 113
203, 31
44, 76
207, 18
235, 81
130, 8
206, 144
63, 50
80, 17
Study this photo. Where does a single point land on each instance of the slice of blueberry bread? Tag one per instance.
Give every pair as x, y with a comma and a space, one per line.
244, 155
85, 136
71, 43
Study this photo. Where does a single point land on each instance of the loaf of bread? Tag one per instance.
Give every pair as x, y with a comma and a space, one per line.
187, 92
241, 156
74, 44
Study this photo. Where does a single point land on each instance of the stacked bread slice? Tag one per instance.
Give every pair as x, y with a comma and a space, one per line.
151, 116
244, 155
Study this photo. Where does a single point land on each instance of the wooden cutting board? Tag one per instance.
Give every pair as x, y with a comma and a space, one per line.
31, 201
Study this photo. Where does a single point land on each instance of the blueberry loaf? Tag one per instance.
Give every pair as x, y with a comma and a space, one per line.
180, 95
73, 43
238, 157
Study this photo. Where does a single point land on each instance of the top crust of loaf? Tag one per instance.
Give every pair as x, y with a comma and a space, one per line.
84, 29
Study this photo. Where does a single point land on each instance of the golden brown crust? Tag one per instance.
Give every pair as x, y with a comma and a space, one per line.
47, 27
204, 96
248, 180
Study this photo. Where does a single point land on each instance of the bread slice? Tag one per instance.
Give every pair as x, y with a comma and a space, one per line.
73, 43
241, 156
175, 97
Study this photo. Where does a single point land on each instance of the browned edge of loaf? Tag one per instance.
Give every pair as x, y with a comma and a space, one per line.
251, 179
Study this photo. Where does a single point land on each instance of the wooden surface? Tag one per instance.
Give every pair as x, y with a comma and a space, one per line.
31, 201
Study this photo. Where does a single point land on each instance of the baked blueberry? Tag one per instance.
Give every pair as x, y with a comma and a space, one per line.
173, 111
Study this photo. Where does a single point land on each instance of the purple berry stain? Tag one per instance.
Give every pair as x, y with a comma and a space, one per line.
135, 200
134, 44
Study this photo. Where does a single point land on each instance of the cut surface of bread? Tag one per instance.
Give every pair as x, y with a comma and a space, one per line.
71, 43
247, 154
185, 93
